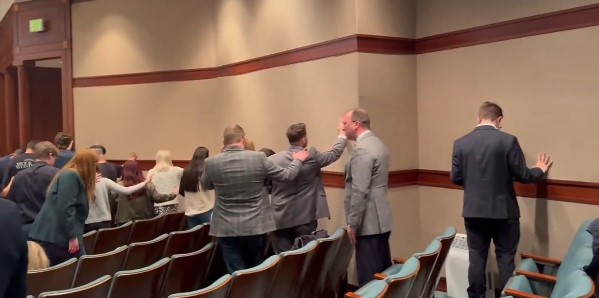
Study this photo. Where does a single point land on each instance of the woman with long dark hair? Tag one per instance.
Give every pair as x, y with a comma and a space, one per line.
58, 228
197, 201
140, 204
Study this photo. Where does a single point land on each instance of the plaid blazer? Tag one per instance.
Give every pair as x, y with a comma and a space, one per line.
242, 207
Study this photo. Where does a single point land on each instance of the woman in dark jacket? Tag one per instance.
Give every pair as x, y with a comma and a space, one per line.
58, 228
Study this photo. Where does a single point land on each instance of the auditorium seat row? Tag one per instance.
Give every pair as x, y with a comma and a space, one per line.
105, 240
74, 273
315, 270
416, 277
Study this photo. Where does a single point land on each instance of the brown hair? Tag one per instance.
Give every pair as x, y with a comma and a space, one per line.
296, 132
63, 140
84, 164
490, 111
233, 135
45, 149
133, 175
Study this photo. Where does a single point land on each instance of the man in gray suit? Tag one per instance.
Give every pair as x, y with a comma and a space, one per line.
295, 202
242, 215
366, 205
486, 162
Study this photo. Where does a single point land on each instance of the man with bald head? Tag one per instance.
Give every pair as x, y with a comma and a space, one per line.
367, 208
242, 214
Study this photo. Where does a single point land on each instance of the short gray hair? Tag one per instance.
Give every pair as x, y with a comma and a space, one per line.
360, 115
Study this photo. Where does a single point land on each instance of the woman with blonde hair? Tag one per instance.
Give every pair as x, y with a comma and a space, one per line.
58, 228
166, 178
37, 257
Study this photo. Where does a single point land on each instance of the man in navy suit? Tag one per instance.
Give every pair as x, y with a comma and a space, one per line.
13, 253
486, 162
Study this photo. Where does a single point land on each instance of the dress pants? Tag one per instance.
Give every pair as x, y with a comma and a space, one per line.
373, 255
283, 239
242, 252
505, 234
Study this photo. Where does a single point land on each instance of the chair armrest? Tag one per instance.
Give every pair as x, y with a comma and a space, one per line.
399, 260
380, 276
537, 276
520, 294
541, 259
352, 295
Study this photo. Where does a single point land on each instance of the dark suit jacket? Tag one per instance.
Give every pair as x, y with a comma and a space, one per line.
29, 189
486, 162
13, 253
64, 212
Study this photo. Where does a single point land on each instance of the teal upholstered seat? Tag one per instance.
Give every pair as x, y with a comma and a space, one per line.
395, 285
435, 245
448, 233
575, 285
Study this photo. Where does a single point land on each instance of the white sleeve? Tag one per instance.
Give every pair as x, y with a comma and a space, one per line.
123, 190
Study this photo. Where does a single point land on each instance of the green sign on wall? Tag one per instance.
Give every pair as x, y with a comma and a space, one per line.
36, 25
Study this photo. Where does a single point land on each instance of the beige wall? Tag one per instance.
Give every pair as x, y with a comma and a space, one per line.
545, 84
253, 28
116, 36
177, 116
386, 17
441, 16
387, 90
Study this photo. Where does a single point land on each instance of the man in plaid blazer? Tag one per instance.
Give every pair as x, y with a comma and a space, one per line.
242, 214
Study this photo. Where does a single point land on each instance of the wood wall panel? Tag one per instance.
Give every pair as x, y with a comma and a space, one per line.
52, 12
568, 19
556, 190
45, 102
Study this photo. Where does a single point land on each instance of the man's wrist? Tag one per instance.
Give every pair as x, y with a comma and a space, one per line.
342, 137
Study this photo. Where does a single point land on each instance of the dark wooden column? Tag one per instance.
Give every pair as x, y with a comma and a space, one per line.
24, 114
11, 110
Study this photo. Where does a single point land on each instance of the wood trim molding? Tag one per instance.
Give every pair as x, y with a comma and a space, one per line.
551, 189
575, 18
332, 48
555, 190
569, 19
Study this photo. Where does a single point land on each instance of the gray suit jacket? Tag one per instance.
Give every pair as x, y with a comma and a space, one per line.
294, 202
237, 176
322, 205
366, 205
